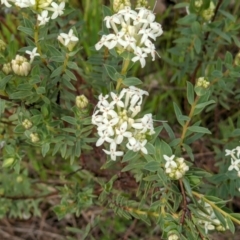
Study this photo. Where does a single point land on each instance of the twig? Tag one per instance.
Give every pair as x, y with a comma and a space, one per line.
30, 197
184, 201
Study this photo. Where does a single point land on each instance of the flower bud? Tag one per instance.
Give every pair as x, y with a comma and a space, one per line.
27, 124
34, 137
237, 59
19, 179
173, 237
120, 4
81, 101
202, 82
8, 162
142, 3
2, 45
7, 68
207, 14
21, 66
198, 3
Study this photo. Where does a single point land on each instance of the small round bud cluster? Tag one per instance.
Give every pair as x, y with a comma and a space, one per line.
235, 159
207, 14
142, 3
27, 124
237, 59
173, 237
81, 101
132, 31
7, 68
175, 167
212, 223
68, 40
34, 137
120, 4
198, 3
202, 82
21, 66
117, 123
2, 45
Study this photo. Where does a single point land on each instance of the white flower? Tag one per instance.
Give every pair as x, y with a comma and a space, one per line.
234, 165
169, 161
70, 37
32, 54
57, 9
43, 17
229, 152
6, 3
121, 133
104, 137
117, 99
140, 56
111, 19
113, 153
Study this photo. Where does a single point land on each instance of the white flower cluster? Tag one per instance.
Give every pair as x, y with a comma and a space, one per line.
117, 123
235, 159
212, 223
175, 167
41, 6
132, 31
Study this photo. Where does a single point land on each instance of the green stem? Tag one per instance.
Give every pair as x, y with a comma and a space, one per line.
225, 214
65, 63
123, 72
184, 131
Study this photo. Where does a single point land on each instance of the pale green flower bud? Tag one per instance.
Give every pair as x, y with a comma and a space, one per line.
41, 4
8, 162
173, 237
19, 179
21, 66
120, 4
2, 45
34, 137
1, 191
237, 59
142, 3
207, 14
81, 101
202, 82
198, 3
27, 124
7, 68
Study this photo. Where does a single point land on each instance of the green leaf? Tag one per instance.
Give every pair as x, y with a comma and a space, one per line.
228, 58
129, 155
150, 148
4, 81
230, 224
57, 72
199, 129
26, 30
132, 81
40, 90
133, 166
70, 120
190, 93
178, 113
188, 19
187, 186
223, 35
197, 45
45, 149
111, 71
20, 95
70, 75
152, 166
196, 28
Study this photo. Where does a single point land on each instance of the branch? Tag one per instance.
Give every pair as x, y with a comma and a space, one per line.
193, 76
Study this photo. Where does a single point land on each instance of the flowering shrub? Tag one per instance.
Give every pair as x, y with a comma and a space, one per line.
78, 124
